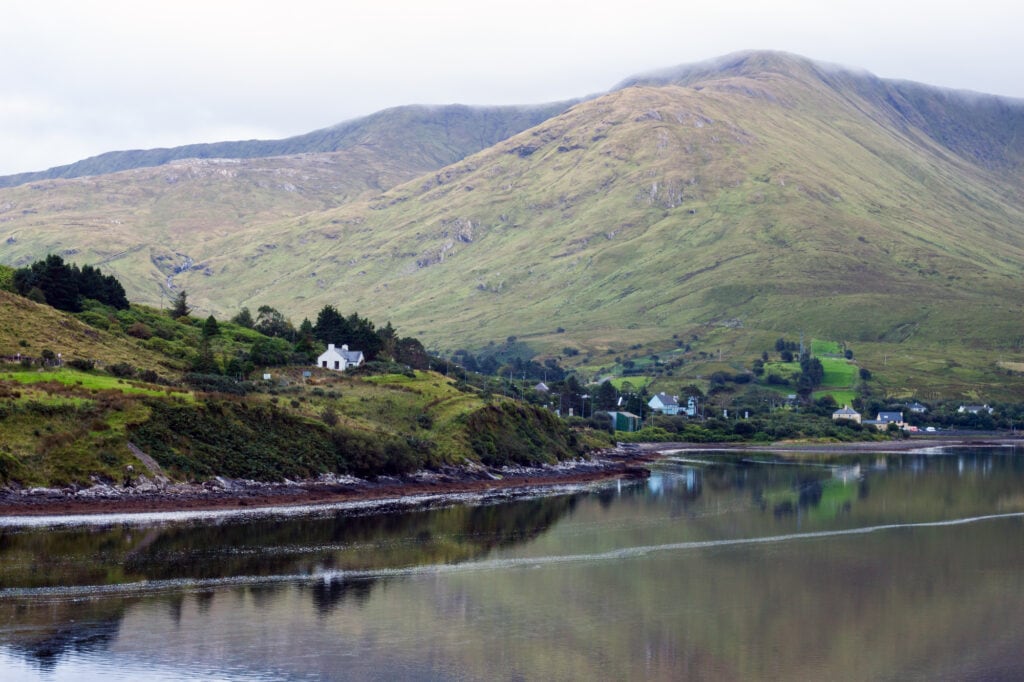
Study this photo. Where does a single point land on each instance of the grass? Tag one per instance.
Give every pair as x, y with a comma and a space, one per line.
88, 381
637, 382
821, 347
839, 373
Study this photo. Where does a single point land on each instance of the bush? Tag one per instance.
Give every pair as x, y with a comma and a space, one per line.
80, 364
140, 330
151, 377
122, 370
94, 319
216, 383
329, 416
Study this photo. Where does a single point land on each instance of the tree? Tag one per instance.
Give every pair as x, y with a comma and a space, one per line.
330, 326
210, 327
204, 362
92, 283
271, 322
57, 282
606, 397
362, 336
409, 351
865, 374
306, 343
179, 307
244, 318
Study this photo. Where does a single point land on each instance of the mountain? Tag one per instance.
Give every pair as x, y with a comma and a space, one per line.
428, 137
762, 193
769, 196
144, 221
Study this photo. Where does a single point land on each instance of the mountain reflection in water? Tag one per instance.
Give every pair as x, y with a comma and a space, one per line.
720, 566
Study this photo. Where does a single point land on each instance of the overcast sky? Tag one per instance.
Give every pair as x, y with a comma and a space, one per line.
81, 77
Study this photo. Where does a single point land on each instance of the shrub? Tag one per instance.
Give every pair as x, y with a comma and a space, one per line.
329, 416
140, 330
94, 319
80, 364
121, 369
216, 383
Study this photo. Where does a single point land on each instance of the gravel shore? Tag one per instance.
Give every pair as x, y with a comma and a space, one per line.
146, 495
626, 461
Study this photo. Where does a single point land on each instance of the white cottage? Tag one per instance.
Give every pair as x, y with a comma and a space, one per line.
664, 403
342, 359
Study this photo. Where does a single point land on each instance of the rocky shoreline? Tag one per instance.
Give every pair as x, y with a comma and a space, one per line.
626, 461
159, 495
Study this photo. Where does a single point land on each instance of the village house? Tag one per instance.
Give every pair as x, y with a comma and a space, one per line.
975, 409
917, 408
664, 403
846, 412
884, 419
340, 360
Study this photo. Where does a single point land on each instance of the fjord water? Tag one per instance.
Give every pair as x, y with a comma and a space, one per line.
720, 566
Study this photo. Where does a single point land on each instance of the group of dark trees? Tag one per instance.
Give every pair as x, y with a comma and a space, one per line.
63, 286
520, 368
309, 339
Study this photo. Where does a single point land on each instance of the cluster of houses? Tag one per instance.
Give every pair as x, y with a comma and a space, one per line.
662, 403
883, 419
340, 359
880, 422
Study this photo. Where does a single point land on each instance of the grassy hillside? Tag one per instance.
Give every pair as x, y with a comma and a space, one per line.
61, 425
739, 200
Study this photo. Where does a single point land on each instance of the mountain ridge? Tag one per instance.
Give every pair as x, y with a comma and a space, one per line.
466, 128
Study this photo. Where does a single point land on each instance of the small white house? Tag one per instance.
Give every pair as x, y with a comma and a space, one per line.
342, 359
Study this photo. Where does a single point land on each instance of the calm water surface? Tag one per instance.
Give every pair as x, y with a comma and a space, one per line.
721, 566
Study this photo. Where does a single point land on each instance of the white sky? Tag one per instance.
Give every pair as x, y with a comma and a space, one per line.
81, 77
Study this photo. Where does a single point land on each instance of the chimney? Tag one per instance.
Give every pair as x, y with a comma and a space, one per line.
330, 346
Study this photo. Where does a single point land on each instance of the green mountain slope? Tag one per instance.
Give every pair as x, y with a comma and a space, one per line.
762, 193
145, 223
768, 198
423, 137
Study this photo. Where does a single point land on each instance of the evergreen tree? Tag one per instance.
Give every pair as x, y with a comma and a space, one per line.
330, 326
179, 307
204, 362
306, 342
57, 282
210, 327
607, 397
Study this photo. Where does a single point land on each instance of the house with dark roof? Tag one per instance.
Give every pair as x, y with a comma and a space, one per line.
884, 419
917, 408
846, 412
664, 403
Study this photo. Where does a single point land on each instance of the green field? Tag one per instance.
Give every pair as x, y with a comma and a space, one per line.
821, 347
88, 381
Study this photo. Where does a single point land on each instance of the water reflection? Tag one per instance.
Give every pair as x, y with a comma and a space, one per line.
735, 567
